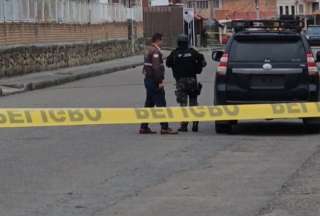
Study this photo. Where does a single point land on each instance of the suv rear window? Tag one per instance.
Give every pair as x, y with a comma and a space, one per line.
255, 49
313, 30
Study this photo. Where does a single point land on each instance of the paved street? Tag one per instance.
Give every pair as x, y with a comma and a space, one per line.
266, 169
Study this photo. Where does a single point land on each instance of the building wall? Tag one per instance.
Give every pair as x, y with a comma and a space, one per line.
246, 9
27, 48
204, 13
31, 33
308, 7
204, 8
69, 11
235, 9
302, 7
290, 7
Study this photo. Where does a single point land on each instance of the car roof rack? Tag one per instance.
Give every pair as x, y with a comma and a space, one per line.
284, 24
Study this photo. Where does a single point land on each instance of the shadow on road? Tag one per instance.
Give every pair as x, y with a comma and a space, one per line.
272, 128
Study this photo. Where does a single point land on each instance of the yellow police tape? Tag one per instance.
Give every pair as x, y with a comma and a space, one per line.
14, 118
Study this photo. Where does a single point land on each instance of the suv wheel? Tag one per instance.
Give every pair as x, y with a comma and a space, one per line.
223, 127
312, 125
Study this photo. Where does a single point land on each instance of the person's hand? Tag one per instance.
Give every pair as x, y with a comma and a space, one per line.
161, 85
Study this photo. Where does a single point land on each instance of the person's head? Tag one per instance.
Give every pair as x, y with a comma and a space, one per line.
183, 41
157, 39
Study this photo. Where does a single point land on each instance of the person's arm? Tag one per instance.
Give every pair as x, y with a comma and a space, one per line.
200, 58
200, 61
169, 61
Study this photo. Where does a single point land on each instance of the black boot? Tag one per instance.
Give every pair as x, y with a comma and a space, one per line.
195, 126
184, 127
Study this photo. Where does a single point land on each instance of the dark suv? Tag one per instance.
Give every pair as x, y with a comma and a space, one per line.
266, 62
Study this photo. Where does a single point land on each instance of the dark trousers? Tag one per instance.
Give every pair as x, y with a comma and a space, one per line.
155, 97
193, 101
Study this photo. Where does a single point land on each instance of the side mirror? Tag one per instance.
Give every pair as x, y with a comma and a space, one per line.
217, 55
318, 57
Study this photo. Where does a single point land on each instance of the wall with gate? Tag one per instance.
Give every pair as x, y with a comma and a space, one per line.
165, 20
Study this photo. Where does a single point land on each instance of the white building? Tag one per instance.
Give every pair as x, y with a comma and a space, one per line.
297, 7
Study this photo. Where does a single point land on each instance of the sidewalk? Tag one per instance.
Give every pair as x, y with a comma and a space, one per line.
29, 82
39, 80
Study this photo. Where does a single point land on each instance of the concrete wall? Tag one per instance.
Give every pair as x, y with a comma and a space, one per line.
27, 48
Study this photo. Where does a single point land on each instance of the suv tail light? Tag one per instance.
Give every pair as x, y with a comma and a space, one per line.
312, 66
222, 67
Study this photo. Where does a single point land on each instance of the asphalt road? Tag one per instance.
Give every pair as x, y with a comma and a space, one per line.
267, 169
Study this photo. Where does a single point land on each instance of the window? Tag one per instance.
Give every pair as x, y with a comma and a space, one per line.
131, 2
279, 50
315, 6
202, 4
313, 31
301, 9
287, 10
281, 10
217, 3
293, 10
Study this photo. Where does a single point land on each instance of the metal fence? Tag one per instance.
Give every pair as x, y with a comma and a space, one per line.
66, 11
168, 20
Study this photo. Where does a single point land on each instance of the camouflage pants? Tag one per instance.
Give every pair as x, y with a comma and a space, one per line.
187, 93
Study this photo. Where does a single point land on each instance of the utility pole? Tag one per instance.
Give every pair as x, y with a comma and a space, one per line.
257, 2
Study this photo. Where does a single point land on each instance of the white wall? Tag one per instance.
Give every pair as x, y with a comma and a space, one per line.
66, 11
287, 3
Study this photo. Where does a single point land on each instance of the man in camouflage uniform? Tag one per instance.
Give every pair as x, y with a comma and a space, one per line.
186, 63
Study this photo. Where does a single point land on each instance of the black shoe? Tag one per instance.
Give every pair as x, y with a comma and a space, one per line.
183, 129
195, 127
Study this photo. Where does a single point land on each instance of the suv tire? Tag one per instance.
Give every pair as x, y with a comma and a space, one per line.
311, 125
223, 127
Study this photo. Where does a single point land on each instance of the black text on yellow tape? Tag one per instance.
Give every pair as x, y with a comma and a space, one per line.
11, 118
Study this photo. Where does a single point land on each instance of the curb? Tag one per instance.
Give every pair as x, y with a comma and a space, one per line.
25, 87
16, 88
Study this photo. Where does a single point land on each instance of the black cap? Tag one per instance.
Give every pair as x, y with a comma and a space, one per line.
182, 38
